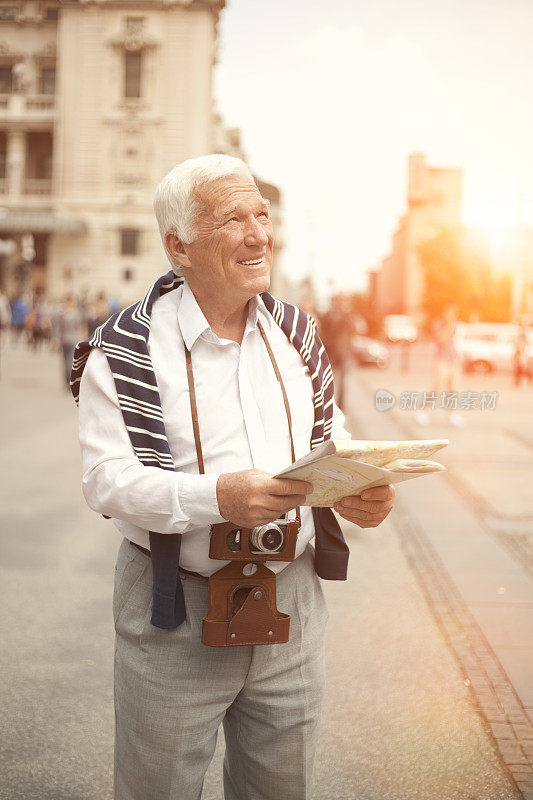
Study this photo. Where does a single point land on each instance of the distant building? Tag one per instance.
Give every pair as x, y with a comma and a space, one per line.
433, 203
98, 100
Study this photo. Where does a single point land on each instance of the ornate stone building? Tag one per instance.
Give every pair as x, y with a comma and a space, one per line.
98, 100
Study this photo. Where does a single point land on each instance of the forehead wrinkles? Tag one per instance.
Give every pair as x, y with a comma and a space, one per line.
225, 194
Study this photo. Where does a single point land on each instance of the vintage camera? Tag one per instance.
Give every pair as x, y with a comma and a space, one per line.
242, 595
274, 541
268, 538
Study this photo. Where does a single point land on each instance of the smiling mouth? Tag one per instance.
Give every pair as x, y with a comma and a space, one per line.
252, 262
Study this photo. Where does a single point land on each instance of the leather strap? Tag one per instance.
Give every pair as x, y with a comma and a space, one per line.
194, 409
282, 385
194, 412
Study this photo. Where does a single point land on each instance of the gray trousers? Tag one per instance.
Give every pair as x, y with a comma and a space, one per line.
172, 692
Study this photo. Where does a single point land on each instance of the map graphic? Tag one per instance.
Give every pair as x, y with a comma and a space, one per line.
341, 468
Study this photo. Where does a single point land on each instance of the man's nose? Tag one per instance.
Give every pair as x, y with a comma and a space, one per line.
255, 233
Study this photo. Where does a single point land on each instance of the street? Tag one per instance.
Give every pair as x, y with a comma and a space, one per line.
429, 649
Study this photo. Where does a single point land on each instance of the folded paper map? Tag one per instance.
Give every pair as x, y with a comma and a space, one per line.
338, 469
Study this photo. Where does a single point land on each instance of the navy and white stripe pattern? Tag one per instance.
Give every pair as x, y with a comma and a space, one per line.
301, 331
124, 340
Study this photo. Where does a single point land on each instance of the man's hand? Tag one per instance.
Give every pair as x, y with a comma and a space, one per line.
370, 508
253, 497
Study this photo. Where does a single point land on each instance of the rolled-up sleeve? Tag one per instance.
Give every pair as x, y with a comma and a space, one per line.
116, 483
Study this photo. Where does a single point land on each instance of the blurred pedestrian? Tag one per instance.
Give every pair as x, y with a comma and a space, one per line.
5, 312
38, 321
19, 311
67, 329
98, 313
521, 365
114, 305
337, 329
447, 357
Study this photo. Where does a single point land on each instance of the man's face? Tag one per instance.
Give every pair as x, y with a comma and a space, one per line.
231, 255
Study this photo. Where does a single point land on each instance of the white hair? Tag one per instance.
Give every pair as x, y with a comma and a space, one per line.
175, 204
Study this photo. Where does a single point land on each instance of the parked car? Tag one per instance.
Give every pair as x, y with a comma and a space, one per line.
488, 346
370, 352
400, 328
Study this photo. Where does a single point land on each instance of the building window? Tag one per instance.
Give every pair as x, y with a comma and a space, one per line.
8, 12
6, 80
129, 241
40, 243
48, 80
128, 274
51, 13
134, 25
39, 150
132, 74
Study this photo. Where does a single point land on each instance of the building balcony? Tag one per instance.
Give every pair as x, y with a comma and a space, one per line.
27, 108
40, 102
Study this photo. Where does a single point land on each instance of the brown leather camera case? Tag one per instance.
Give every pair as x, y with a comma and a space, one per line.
242, 608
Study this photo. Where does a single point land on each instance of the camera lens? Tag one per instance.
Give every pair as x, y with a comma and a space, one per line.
272, 540
267, 538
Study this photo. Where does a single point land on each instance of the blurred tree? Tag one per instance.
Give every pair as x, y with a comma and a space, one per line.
459, 272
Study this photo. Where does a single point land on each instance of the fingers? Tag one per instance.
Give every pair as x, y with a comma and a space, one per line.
358, 505
365, 521
379, 493
369, 512
285, 494
252, 497
362, 518
283, 503
285, 486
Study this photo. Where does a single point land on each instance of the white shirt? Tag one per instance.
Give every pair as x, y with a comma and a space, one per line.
241, 416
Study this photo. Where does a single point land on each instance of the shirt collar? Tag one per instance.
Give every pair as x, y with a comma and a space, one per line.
193, 323
257, 311
190, 317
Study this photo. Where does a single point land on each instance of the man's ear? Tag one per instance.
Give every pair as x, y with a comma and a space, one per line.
176, 249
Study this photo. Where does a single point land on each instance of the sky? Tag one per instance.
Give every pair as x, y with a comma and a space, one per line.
331, 97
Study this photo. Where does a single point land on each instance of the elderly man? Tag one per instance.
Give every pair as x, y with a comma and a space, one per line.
197, 348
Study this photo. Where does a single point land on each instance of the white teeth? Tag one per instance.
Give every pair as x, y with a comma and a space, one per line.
247, 263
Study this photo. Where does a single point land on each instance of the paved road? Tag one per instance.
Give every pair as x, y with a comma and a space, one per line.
401, 721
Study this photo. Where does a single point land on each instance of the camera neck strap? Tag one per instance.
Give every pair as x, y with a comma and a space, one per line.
282, 385
194, 408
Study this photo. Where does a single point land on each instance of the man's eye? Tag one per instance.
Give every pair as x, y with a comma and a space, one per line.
263, 214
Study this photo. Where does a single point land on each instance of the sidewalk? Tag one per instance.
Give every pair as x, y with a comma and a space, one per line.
476, 580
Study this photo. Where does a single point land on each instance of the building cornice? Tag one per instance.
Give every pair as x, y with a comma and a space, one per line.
133, 5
